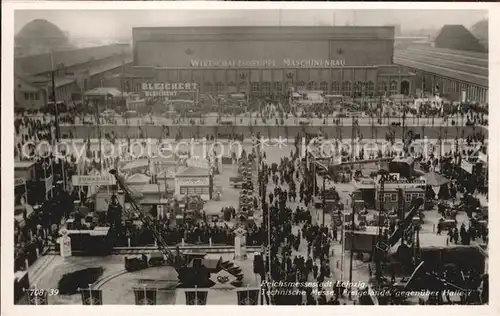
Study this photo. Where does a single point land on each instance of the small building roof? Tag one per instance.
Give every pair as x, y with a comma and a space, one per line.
103, 92
435, 179
193, 172
138, 179
23, 164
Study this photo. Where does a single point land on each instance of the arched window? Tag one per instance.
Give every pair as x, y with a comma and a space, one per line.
311, 86
335, 87
243, 86
254, 86
346, 88
231, 87
358, 88
405, 87
394, 87
370, 88
323, 86
219, 88
208, 87
382, 87
277, 88
266, 88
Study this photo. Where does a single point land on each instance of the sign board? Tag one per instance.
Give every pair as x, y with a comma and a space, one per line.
268, 63
199, 181
394, 182
394, 176
84, 181
389, 178
19, 181
467, 166
65, 246
167, 89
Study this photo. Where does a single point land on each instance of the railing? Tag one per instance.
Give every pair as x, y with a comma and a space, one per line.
185, 248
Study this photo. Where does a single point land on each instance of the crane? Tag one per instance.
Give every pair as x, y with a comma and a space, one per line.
146, 221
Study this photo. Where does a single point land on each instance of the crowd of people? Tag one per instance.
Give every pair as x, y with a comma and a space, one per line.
300, 249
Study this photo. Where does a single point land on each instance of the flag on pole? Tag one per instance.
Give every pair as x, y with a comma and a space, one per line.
196, 297
91, 297
248, 296
145, 296
37, 297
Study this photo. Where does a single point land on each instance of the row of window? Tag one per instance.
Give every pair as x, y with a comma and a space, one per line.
194, 190
410, 196
346, 87
31, 96
393, 197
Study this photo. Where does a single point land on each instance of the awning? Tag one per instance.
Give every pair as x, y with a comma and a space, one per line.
153, 188
138, 179
135, 164
238, 96
435, 179
103, 92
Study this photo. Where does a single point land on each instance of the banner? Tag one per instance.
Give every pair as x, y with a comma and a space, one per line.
19, 181
48, 183
145, 296
37, 297
467, 166
91, 297
436, 189
248, 297
196, 297
222, 279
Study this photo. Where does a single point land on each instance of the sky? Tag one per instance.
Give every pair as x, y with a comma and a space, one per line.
101, 24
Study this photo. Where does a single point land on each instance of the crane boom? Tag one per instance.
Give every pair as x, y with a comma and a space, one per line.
162, 245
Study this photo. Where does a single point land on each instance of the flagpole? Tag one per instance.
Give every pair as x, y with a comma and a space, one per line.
91, 301
45, 179
52, 175
343, 253
25, 192
248, 295
36, 296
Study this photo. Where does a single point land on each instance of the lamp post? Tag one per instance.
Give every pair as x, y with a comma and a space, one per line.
378, 251
324, 199
351, 259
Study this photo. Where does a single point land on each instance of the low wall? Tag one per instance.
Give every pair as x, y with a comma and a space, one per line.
198, 131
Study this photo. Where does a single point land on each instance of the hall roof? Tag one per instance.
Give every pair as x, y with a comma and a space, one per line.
464, 66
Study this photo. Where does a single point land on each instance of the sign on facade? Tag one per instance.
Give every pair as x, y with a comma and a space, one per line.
393, 181
199, 181
92, 180
166, 89
268, 63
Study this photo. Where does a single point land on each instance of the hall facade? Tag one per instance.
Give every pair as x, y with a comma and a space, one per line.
265, 61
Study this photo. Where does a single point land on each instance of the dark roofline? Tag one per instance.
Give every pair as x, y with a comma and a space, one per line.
73, 50
260, 27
